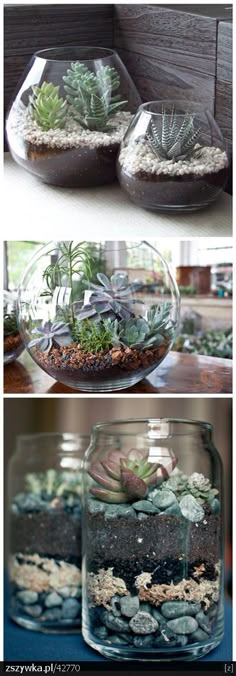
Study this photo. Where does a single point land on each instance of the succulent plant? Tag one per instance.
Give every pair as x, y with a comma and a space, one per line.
200, 487
177, 137
52, 482
48, 109
112, 298
124, 477
137, 332
56, 333
10, 324
92, 336
91, 96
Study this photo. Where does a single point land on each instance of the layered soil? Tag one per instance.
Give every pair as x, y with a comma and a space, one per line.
76, 364
48, 534
12, 343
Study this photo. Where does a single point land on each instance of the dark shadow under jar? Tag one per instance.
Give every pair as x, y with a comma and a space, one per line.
70, 115
173, 157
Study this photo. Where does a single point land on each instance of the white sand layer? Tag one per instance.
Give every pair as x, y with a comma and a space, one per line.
139, 157
73, 135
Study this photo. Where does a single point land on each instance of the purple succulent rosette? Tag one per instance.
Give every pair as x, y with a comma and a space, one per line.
51, 333
112, 297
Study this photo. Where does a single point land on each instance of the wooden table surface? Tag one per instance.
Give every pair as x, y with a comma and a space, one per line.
178, 373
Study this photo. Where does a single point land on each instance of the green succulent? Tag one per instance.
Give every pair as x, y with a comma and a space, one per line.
91, 96
112, 298
10, 324
196, 485
92, 336
176, 137
48, 109
52, 482
137, 332
127, 476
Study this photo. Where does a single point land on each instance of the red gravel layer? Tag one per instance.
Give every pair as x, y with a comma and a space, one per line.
11, 343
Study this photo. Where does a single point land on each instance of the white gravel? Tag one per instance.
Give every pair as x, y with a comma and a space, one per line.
138, 156
73, 135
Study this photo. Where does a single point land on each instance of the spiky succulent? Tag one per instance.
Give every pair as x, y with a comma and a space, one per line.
137, 332
48, 109
91, 96
175, 138
112, 298
53, 482
127, 476
10, 324
92, 336
56, 333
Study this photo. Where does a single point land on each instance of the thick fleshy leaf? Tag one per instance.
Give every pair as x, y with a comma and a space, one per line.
104, 280
97, 473
111, 468
133, 485
108, 496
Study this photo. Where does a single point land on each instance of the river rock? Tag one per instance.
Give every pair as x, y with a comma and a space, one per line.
129, 605
145, 506
96, 506
142, 516
158, 616
52, 614
215, 506
143, 641
143, 623
117, 640
27, 597
173, 509
126, 511
199, 635
183, 625
191, 509
115, 605
70, 609
100, 632
115, 623
203, 621
33, 611
53, 599
173, 609
164, 499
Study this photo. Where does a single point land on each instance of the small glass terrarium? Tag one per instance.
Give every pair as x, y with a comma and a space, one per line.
13, 343
70, 115
173, 157
153, 557
98, 316
45, 532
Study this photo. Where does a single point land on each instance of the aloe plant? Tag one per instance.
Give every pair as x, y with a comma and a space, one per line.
48, 109
176, 137
91, 97
123, 477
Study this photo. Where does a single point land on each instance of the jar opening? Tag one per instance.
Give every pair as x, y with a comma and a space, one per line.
74, 53
159, 427
181, 107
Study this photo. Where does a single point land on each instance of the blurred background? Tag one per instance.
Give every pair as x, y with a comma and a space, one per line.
26, 416
202, 268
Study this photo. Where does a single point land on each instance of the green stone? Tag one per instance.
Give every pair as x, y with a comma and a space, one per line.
199, 635
129, 605
143, 623
183, 625
96, 506
191, 509
164, 499
145, 506
174, 609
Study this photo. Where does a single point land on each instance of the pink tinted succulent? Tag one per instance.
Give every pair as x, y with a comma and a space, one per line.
123, 477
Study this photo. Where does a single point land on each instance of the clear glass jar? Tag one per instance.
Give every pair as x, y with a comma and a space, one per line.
70, 115
98, 316
12, 343
173, 157
45, 531
153, 550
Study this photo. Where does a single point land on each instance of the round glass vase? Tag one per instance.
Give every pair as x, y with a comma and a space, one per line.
173, 157
13, 344
70, 114
45, 532
152, 533
98, 316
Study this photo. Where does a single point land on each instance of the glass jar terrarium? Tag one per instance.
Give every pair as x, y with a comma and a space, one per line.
98, 317
152, 564
173, 157
70, 115
45, 531
12, 343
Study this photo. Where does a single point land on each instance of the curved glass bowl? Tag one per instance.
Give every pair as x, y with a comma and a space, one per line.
173, 157
98, 316
153, 536
45, 532
70, 115
13, 344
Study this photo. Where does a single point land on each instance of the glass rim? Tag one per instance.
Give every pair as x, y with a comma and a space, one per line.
126, 421
195, 105
47, 53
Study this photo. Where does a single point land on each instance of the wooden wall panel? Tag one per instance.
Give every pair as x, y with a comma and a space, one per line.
29, 28
224, 79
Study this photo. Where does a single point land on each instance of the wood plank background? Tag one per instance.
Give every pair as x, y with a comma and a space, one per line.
224, 79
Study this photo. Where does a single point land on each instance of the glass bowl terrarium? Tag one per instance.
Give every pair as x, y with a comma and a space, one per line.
96, 316
13, 343
45, 531
152, 521
173, 157
70, 115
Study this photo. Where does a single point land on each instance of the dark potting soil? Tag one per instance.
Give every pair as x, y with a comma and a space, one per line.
153, 539
101, 366
72, 167
12, 343
46, 533
161, 192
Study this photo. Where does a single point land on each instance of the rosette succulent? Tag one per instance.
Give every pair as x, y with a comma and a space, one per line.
125, 477
56, 333
176, 137
200, 487
48, 109
112, 298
